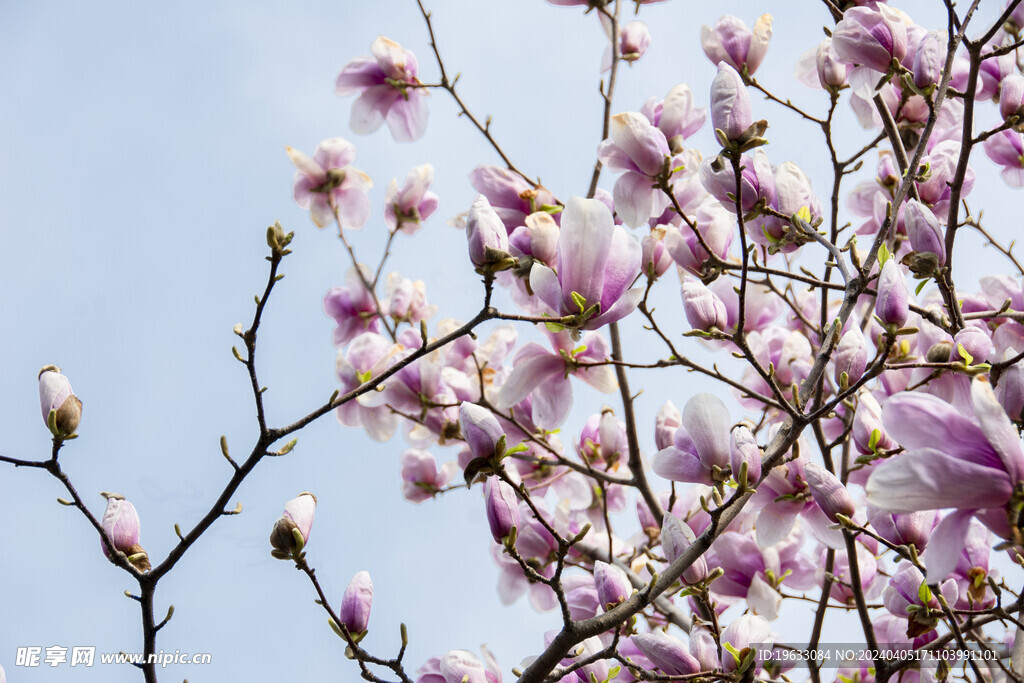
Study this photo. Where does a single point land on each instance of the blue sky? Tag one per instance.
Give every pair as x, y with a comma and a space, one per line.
143, 158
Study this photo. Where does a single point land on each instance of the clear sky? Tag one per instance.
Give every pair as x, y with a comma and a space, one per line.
141, 159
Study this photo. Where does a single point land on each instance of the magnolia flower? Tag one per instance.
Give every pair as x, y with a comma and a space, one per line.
612, 585
730, 104
641, 150
352, 306
667, 653
356, 603
502, 508
405, 209
389, 90
122, 526
57, 397
700, 453
892, 305
1006, 148
950, 461
328, 186
730, 41
480, 429
486, 235
873, 37
421, 479
828, 492
291, 531
634, 39
676, 538
597, 262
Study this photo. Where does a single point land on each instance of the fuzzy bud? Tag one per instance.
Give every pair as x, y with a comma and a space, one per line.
56, 396
297, 517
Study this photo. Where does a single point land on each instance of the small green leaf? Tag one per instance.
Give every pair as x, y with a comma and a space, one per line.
968, 358
883, 255
580, 301
876, 436
920, 287
925, 593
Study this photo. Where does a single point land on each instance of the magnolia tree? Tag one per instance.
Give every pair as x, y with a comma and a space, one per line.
877, 469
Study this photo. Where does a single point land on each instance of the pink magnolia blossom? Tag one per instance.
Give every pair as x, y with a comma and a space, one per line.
641, 150
406, 208
597, 263
356, 603
56, 396
950, 461
328, 186
1006, 148
421, 478
873, 37
389, 91
730, 41
297, 517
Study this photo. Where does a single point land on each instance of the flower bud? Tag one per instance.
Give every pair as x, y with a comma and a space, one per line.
356, 603
462, 666
851, 355
832, 71
666, 422
56, 396
502, 508
975, 341
730, 103
291, 531
488, 240
667, 653
1011, 96
704, 310
828, 492
924, 231
480, 429
612, 585
892, 305
634, 39
744, 449
930, 60
122, 526
676, 538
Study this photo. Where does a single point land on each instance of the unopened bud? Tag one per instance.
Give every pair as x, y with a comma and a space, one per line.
62, 410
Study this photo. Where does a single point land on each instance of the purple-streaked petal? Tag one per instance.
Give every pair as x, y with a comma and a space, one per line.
929, 479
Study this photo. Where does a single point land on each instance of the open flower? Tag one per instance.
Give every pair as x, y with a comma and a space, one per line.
406, 208
597, 262
951, 461
730, 41
390, 91
327, 184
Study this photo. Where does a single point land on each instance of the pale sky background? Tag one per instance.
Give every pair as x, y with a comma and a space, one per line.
142, 159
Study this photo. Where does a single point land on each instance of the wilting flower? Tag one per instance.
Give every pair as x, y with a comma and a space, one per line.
356, 603
122, 526
730, 41
291, 531
57, 397
327, 184
389, 86
406, 208
597, 262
